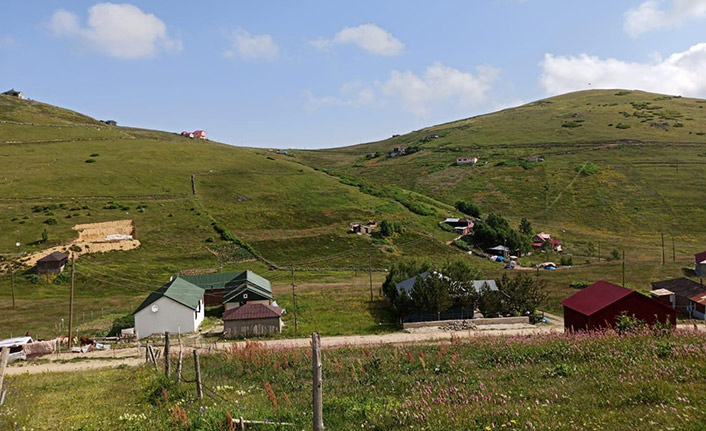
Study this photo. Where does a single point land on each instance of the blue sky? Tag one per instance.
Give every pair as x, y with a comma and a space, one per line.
313, 74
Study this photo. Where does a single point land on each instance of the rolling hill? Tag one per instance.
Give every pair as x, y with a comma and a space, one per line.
644, 154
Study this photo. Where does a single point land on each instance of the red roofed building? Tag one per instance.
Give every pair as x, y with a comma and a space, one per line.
598, 305
252, 319
700, 264
698, 306
199, 134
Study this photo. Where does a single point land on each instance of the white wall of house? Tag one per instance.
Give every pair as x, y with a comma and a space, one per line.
171, 316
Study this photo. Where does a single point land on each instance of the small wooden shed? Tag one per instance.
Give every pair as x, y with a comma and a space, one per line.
252, 319
53, 263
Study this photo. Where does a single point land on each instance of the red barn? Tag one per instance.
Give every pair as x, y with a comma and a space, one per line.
599, 304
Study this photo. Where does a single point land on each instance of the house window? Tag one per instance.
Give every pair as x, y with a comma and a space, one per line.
245, 296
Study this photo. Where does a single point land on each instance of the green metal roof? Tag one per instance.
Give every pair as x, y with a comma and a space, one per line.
228, 280
178, 290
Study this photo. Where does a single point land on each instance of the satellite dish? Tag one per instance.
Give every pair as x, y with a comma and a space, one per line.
155, 308
17, 244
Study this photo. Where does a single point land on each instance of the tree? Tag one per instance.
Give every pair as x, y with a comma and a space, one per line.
525, 227
401, 271
524, 293
461, 276
45, 235
468, 208
431, 293
388, 228
489, 303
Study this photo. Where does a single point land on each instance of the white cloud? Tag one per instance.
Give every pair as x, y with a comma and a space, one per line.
650, 16
252, 47
418, 94
680, 73
439, 84
368, 37
116, 30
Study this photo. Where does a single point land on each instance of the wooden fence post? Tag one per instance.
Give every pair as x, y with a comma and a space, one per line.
178, 370
3, 363
316, 370
166, 354
197, 367
147, 351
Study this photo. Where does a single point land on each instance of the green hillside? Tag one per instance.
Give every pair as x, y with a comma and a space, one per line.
252, 208
645, 151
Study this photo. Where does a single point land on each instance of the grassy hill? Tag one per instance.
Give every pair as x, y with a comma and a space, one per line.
252, 208
644, 153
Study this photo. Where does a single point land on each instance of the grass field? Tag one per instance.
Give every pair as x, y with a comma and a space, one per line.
552, 382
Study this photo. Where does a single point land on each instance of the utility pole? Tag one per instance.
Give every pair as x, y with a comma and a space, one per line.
370, 273
623, 268
294, 301
599, 251
12, 283
71, 297
662, 248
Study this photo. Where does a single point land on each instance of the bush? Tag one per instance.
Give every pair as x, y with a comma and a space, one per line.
625, 324
95, 155
622, 126
388, 228
33, 278
120, 323
567, 261
468, 208
571, 124
614, 255
579, 285
91, 160
50, 221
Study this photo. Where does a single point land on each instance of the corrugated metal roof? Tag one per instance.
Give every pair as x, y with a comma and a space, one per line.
228, 280
596, 297
252, 311
681, 286
700, 257
57, 256
408, 284
178, 290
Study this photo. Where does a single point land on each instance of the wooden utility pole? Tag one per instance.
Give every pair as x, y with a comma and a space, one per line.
294, 301
71, 298
599, 251
12, 283
370, 273
623, 268
663, 248
166, 354
197, 368
316, 370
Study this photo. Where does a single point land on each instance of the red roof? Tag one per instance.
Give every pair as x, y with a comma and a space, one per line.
700, 257
699, 299
252, 311
596, 297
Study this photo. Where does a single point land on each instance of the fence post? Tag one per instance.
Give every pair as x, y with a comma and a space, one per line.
178, 370
317, 393
147, 351
4, 354
166, 354
197, 367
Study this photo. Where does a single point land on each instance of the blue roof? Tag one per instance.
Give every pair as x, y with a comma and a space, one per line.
408, 284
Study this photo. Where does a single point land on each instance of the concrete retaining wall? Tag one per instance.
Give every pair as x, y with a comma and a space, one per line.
482, 321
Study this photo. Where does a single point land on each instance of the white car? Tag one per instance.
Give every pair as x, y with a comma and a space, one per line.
15, 345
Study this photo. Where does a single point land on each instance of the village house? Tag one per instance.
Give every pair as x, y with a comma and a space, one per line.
543, 239
232, 289
187, 134
455, 312
698, 306
461, 226
177, 307
398, 150
682, 290
700, 264
14, 93
466, 161
363, 228
109, 122
252, 320
199, 134
53, 263
598, 306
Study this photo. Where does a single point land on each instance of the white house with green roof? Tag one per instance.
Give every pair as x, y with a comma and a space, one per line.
177, 307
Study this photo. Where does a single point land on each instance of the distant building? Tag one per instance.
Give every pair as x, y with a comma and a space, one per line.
542, 238
698, 306
177, 307
466, 160
252, 320
53, 263
232, 289
599, 305
363, 228
398, 150
14, 93
700, 264
110, 122
187, 134
535, 159
682, 290
199, 134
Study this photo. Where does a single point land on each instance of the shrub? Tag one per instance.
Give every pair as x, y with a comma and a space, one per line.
614, 255
622, 126
120, 323
571, 124
588, 168
468, 208
33, 278
50, 221
625, 324
388, 228
91, 160
579, 285
567, 261
95, 155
